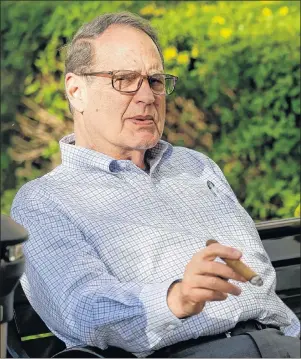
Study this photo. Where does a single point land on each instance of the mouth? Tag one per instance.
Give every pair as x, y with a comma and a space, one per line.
142, 120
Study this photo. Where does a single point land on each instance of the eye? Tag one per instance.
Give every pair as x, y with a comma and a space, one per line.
125, 76
154, 80
157, 79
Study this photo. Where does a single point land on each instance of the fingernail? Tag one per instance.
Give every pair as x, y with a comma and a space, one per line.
236, 252
237, 291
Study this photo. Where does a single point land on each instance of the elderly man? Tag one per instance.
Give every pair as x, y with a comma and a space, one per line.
117, 250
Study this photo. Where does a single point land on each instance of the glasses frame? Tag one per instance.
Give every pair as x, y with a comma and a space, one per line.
111, 74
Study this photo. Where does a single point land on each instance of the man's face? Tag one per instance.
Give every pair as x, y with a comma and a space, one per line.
107, 115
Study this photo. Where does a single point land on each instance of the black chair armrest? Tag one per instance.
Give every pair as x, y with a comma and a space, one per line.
79, 352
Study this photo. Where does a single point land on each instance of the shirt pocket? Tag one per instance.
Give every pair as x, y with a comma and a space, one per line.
219, 189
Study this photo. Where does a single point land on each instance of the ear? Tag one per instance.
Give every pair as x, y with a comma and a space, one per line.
76, 91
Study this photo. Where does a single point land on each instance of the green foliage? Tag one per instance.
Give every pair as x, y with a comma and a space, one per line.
237, 99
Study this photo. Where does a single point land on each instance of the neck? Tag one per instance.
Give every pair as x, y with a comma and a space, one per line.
109, 149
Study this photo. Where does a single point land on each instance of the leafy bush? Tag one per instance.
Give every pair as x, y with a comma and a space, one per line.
237, 98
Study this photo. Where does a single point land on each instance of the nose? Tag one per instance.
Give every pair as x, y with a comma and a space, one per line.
145, 93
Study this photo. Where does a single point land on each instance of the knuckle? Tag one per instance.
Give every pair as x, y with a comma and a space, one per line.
221, 298
232, 273
210, 267
195, 298
188, 281
213, 295
189, 268
198, 256
185, 290
214, 281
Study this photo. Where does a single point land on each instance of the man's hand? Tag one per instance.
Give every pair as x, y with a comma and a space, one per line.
204, 280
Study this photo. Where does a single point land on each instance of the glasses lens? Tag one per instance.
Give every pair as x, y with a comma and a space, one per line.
162, 84
157, 83
126, 81
170, 85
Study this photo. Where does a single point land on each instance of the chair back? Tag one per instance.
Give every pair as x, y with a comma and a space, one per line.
28, 335
281, 240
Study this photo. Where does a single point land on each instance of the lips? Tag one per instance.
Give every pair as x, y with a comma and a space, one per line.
142, 120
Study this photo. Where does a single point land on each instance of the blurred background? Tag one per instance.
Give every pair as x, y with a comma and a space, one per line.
237, 99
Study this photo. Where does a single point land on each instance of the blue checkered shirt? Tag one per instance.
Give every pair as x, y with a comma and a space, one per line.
106, 240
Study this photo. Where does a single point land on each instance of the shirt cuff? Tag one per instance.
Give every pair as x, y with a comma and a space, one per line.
160, 319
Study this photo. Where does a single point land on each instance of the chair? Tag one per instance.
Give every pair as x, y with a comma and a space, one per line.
28, 336
281, 239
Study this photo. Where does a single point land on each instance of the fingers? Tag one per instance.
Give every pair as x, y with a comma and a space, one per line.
213, 251
219, 250
222, 270
215, 284
203, 295
205, 280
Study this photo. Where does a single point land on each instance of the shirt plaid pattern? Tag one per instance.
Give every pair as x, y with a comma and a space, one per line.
106, 240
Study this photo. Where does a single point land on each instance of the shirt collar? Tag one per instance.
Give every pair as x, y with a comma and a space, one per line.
75, 156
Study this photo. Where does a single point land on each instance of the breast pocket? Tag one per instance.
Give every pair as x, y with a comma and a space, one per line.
219, 189
217, 204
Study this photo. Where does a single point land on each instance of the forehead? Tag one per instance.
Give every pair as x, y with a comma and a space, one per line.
126, 48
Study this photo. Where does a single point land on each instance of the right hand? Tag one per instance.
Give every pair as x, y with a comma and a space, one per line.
204, 280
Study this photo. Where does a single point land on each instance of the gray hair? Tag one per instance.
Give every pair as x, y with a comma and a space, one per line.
80, 52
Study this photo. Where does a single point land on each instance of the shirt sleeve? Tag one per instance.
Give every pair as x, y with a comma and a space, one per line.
71, 289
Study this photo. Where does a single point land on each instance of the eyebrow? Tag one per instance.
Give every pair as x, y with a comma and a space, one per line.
156, 71
151, 71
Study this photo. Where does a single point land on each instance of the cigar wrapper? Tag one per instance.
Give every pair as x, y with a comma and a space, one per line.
241, 268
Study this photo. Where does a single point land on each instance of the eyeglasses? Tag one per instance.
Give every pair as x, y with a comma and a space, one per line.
127, 81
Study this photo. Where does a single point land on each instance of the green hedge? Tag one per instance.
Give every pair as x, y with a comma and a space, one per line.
237, 99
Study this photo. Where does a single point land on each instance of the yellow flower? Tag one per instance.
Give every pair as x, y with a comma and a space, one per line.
218, 20
160, 11
206, 8
152, 10
191, 10
194, 51
297, 211
283, 10
148, 10
266, 12
170, 53
183, 59
226, 32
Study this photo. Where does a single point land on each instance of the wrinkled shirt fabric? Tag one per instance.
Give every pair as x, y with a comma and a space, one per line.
106, 240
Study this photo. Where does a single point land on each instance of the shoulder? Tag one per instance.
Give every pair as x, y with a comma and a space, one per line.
190, 157
38, 190
189, 154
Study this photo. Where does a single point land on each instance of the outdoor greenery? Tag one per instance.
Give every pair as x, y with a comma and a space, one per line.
237, 98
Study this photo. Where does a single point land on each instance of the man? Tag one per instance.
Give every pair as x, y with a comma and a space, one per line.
116, 254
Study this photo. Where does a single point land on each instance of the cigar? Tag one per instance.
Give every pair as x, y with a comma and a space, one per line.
241, 268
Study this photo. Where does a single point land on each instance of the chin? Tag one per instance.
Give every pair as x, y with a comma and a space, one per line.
145, 144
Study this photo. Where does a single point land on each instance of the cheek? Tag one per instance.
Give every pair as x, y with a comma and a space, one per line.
161, 108
108, 106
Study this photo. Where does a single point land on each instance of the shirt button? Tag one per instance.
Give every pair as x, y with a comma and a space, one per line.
113, 166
